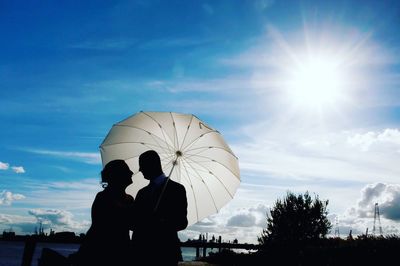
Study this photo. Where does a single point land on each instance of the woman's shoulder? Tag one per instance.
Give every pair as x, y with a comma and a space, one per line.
103, 196
100, 195
107, 197
129, 198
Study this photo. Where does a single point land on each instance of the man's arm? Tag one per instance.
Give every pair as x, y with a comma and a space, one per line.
181, 209
174, 214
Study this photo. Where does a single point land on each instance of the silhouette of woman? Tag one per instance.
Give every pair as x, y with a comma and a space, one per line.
107, 240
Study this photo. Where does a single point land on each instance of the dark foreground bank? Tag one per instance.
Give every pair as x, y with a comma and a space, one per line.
361, 251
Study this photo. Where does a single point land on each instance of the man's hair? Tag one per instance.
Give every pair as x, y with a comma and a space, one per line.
151, 160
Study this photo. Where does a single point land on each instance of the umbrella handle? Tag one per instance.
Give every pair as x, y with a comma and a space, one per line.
165, 185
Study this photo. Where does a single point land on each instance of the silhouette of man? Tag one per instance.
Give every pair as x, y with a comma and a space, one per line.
155, 236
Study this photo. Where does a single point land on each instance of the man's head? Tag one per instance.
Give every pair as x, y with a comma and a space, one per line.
150, 164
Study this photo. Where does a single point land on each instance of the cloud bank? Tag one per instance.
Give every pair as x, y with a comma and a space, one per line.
360, 218
7, 197
61, 220
386, 195
86, 157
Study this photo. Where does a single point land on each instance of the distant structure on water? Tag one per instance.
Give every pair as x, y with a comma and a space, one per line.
40, 231
8, 235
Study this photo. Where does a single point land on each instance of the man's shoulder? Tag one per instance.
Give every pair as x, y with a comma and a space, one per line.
175, 185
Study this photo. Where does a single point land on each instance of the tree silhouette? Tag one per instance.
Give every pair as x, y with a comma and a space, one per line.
296, 218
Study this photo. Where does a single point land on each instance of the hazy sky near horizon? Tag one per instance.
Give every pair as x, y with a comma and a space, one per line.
306, 93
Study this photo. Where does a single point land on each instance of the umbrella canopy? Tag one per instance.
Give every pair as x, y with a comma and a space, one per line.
196, 153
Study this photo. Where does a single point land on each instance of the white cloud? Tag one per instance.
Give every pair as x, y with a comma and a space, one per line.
310, 153
244, 224
88, 185
87, 157
242, 220
388, 139
4, 166
226, 84
71, 195
18, 223
386, 195
59, 219
18, 169
5, 219
7, 197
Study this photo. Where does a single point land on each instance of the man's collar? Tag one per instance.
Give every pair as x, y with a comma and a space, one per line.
157, 181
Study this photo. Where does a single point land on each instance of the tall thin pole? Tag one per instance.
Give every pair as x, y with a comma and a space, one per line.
165, 184
337, 233
377, 217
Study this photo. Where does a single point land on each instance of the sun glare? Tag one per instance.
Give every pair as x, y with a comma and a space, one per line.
316, 82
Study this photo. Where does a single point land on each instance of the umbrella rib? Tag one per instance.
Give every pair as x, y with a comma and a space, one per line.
210, 172
175, 131
168, 157
135, 142
165, 135
212, 147
128, 158
194, 194
187, 130
199, 137
202, 149
215, 161
179, 173
209, 192
152, 135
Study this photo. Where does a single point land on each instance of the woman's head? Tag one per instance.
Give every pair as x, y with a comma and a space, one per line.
116, 174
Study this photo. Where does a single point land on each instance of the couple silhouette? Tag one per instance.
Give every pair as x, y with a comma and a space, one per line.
154, 217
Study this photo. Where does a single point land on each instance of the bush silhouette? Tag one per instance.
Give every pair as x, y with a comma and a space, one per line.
296, 218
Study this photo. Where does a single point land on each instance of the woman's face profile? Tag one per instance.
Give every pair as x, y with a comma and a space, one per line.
118, 174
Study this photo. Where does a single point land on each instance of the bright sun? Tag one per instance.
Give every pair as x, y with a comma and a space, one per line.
316, 83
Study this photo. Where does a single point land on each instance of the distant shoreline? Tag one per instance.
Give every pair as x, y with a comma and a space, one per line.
72, 238
11, 252
61, 237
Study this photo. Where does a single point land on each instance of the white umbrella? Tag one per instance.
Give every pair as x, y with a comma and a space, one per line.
194, 154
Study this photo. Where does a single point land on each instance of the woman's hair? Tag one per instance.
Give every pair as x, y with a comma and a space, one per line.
112, 170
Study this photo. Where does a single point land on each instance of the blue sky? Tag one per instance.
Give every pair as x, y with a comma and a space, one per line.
70, 70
